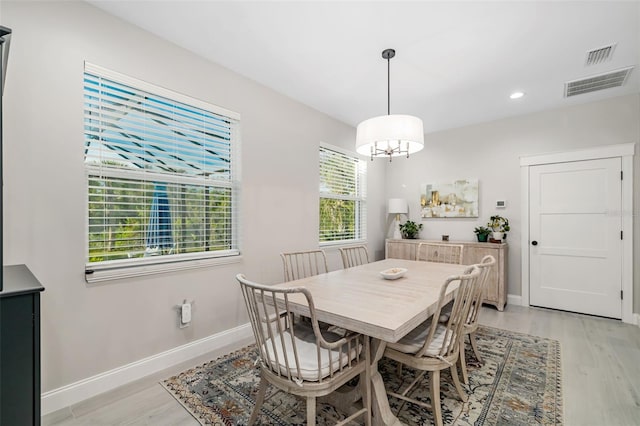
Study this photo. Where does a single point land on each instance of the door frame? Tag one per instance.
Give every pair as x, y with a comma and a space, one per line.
623, 151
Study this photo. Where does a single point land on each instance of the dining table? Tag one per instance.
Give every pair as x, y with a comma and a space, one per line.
361, 300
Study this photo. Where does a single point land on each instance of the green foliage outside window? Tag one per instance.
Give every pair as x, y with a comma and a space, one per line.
342, 200
337, 219
119, 215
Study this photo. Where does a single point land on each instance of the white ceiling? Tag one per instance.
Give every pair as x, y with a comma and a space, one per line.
456, 62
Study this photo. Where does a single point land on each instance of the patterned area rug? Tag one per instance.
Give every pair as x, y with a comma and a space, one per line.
520, 383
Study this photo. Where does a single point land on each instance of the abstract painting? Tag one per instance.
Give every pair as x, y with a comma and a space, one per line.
457, 198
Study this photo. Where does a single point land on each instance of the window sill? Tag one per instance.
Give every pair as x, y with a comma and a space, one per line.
101, 273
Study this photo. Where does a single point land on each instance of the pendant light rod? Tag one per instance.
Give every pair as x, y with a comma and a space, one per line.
388, 86
388, 54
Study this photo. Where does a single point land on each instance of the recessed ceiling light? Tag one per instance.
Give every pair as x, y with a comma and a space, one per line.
516, 95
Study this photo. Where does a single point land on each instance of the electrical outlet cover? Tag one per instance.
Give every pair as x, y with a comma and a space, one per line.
185, 313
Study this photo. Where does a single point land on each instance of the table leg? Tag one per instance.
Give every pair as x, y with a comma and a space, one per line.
381, 412
345, 398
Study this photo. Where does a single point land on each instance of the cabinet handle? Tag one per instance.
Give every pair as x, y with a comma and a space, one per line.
534, 243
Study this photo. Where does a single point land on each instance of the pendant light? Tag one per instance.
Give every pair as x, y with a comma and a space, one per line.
392, 134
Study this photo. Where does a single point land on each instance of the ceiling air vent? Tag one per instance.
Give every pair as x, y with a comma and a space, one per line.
598, 56
597, 82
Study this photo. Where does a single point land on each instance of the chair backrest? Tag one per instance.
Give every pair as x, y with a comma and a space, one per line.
293, 351
354, 256
302, 264
441, 253
485, 266
447, 340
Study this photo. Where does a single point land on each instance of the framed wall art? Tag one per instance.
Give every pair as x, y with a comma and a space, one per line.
456, 198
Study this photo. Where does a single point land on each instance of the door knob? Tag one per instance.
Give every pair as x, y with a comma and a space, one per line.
534, 243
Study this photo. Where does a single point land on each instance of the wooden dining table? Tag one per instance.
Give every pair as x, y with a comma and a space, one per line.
361, 300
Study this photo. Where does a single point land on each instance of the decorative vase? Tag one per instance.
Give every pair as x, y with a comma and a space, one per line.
482, 238
497, 235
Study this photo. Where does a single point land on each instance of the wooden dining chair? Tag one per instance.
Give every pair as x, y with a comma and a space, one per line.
471, 324
441, 253
302, 264
434, 346
299, 358
354, 256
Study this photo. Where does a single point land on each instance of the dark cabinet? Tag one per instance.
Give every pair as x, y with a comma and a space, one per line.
19, 347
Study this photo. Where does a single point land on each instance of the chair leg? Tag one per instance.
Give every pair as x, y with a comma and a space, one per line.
456, 383
474, 346
399, 369
311, 410
463, 364
434, 392
365, 390
259, 400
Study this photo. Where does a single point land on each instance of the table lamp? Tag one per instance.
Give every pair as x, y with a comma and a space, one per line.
397, 206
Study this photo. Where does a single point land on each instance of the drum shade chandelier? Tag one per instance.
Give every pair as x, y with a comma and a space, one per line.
392, 134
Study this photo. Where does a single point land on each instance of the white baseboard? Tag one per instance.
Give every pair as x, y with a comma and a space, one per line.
513, 299
73, 393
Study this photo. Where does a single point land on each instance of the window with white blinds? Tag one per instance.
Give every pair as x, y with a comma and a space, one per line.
343, 196
161, 173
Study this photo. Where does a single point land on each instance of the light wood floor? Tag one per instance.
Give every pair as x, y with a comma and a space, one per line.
600, 368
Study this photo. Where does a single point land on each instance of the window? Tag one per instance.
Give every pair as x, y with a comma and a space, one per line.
343, 192
161, 173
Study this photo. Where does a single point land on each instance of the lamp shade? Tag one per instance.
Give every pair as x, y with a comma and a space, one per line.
398, 206
388, 133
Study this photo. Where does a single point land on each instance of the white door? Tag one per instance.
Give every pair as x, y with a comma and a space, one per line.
575, 235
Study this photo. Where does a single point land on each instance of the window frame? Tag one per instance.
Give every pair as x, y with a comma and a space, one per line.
140, 266
360, 198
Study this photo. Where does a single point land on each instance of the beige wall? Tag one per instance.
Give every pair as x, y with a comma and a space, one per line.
86, 329
89, 329
492, 151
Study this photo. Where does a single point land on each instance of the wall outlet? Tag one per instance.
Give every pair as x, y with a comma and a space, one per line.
185, 313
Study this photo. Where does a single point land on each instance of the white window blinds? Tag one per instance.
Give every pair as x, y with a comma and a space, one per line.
161, 172
343, 208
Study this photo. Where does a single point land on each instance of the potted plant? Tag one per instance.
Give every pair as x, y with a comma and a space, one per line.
410, 230
499, 225
482, 232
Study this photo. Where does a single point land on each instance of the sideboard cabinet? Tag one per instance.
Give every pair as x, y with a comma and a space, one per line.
472, 253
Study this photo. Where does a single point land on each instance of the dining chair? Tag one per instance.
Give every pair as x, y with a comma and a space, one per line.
299, 358
471, 324
302, 264
434, 346
354, 256
441, 253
